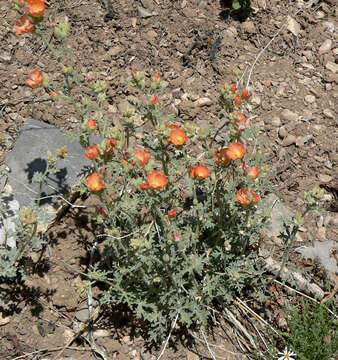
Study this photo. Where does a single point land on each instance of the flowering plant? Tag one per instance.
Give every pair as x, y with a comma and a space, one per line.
180, 211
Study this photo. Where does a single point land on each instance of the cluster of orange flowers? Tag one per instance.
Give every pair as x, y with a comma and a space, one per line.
158, 181
35, 11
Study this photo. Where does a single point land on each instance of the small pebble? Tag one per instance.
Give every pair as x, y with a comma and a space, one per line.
282, 132
332, 67
203, 101
310, 99
289, 140
325, 47
328, 113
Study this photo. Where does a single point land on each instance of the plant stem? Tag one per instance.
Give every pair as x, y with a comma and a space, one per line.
291, 241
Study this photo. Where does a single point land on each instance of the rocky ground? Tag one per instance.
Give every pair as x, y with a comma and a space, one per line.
287, 52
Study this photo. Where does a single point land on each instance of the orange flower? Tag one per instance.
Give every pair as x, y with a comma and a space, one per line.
142, 156
23, 25
235, 151
200, 172
154, 99
156, 180
144, 186
92, 152
35, 78
238, 100
178, 136
241, 119
111, 145
157, 77
91, 124
36, 8
233, 88
246, 94
221, 157
246, 197
94, 182
52, 94
253, 172
172, 214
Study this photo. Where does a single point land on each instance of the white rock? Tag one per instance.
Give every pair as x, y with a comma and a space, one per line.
7, 221
293, 26
332, 66
203, 101
328, 113
325, 47
310, 99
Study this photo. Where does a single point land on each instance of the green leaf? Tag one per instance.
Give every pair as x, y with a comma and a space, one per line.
236, 5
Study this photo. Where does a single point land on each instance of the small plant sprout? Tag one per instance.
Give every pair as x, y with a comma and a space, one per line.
286, 354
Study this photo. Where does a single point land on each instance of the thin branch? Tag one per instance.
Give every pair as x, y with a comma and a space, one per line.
205, 339
166, 342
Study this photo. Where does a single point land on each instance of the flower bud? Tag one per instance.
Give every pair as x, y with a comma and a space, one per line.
61, 31
67, 70
45, 80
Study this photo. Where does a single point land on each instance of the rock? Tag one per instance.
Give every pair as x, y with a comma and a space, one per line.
126, 339
329, 26
325, 47
28, 157
8, 218
255, 100
143, 13
151, 35
332, 67
324, 178
83, 314
4, 319
203, 102
279, 213
282, 132
248, 27
293, 26
202, 4
328, 113
310, 99
231, 32
288, 115
275, 121
321, 251
101, 333
113, 51
289, 140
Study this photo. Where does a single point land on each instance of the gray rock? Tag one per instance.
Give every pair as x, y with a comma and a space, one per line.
321, 251
143, 13
279, 214
28, 157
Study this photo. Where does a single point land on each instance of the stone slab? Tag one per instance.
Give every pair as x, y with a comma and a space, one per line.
28, 156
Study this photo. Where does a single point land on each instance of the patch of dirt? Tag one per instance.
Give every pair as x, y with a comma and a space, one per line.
196, 48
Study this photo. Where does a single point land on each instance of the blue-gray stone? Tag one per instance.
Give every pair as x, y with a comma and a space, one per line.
29, 156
